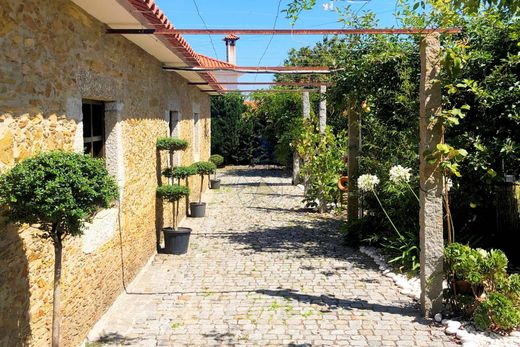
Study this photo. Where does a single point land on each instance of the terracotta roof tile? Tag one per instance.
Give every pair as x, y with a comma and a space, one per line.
232, 37
212, 62
158, 19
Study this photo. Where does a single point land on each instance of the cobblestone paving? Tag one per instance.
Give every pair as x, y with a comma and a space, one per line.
263, 271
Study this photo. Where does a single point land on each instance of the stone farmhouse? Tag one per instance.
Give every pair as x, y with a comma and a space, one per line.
65, 84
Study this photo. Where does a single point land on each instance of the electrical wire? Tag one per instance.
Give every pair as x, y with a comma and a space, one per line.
206, 26
272, 35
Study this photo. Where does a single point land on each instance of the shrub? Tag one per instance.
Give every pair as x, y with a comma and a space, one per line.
59, 191
497, 312
464, 262
171, 144
322, 156
217, 159
203, 168
180, 172
173, 193
499, 308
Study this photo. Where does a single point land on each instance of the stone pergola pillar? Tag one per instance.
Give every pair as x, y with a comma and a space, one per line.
430, 215
323, 109
296, 157
353, 164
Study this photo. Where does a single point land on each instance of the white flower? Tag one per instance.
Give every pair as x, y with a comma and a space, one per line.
400, 174
367, 182
449, 184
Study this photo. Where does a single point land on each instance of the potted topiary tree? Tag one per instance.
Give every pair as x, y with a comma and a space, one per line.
218, 160
198, 209
179, 173
171, 144
58, 192
176, 239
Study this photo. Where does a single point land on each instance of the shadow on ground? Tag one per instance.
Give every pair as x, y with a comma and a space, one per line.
330, 303
316, 238
114, 339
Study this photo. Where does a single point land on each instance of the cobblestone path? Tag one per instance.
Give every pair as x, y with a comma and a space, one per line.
263, 271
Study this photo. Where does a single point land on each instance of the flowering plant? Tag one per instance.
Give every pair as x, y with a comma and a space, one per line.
400, 174
367, 182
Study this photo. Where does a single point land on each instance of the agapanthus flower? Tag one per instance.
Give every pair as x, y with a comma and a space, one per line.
400, 174
367, 183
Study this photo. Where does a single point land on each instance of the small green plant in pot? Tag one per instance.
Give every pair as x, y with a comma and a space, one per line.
57, 192
204, 168
176, 239
218, 160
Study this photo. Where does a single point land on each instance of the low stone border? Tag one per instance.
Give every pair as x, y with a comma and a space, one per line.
464, 331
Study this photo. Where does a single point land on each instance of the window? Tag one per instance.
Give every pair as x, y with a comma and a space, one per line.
94, 128
196, 137
173, 123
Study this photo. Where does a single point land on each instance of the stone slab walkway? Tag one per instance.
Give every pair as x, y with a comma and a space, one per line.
263, 271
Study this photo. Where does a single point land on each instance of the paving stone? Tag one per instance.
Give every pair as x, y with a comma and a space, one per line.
263, 271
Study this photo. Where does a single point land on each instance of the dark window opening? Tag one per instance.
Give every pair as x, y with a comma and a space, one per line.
173, 122
94, 128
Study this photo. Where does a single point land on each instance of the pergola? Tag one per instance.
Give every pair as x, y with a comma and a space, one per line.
430, 128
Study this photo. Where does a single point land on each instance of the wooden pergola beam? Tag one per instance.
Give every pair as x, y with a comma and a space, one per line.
307, 84
377, 31
260, 91
289, 70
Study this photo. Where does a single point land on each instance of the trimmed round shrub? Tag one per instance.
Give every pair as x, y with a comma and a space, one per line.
217, 159
204, 167
180, 172
171, 144
172, 192
57, 188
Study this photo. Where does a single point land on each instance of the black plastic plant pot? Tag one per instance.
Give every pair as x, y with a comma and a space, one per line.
214, 184
198, 210
176, 241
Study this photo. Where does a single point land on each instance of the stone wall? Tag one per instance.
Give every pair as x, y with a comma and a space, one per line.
53, 55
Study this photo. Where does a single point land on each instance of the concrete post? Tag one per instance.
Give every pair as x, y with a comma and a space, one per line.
353, 164
430, 215
323, 109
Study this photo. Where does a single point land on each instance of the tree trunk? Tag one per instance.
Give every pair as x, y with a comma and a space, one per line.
201, 185
187, 197
56, 299
175, 214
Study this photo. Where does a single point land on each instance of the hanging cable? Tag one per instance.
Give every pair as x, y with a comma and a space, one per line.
274, 27
206, 26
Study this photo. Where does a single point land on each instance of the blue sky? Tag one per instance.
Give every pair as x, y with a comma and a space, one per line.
260, 14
